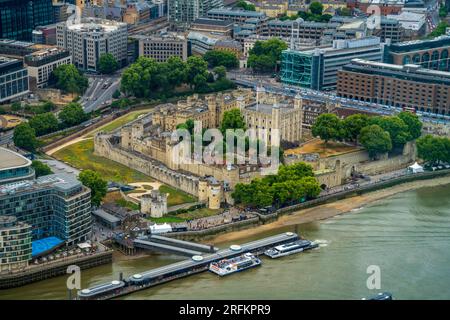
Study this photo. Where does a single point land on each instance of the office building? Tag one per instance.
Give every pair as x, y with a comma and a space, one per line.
44, 35
183, 12
222, 27
18, 18
41, 64
317, 68
88, 39
237, 16
429, 53
408, 86
14, 167
15, 244
55, 205
162, 47
13, 79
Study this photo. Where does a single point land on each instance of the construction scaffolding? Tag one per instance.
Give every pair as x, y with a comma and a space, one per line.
296, 68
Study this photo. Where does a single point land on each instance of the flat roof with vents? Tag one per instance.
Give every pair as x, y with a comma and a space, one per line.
11, 160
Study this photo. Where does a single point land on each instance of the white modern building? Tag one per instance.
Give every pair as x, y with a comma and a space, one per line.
40, 64
89, 38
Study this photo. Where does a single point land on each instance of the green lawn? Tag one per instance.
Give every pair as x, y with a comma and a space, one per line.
182, 217
127, 204
117, 123
199, 213
81, 155
176, 197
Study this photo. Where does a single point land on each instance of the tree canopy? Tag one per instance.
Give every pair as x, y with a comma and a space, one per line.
413, 123
375, 140
44, 123
221, 58
40, 168
292, 184
94, 181
107, 63
328, 127
72, 114
264, 55
67, 78
434, 149
353, 124
398, 130
244, 5
25, 137
232, 119
147, 78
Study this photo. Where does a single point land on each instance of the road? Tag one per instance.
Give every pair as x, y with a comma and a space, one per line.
270, 85
100, 91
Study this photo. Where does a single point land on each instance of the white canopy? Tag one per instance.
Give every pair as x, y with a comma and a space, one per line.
160, 228
416, 168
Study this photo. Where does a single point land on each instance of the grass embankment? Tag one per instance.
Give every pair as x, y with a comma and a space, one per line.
176, 197
182, 217
81, 155
117, 123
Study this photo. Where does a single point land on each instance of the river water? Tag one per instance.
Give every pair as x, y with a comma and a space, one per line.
407, 236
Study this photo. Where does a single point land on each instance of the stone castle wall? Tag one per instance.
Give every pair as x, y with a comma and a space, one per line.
154, 169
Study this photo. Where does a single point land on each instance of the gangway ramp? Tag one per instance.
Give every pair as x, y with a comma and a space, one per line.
152, 245
183, 244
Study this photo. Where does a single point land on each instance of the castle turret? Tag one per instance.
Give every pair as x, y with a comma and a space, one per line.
203, 190
214, 196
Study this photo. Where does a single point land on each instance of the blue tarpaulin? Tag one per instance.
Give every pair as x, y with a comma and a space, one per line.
43, 245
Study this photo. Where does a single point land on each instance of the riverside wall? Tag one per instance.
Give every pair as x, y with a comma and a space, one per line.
54, 269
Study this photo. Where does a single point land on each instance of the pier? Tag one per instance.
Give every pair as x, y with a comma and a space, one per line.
196, 264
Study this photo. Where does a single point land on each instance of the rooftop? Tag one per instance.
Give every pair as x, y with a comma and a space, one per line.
11, 160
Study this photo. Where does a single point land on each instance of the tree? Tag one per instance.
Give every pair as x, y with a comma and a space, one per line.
107, 64
188, 125
375, 140
116, 94
16, 106
413, 123
353, 124
398, 130
40, 168
72, 114
264, 55
139, 79
220, 72
327, 127
25, 137
244, 5
94, 181
233, 120
221, 58
440, 30
316, 8
433, 149
196, 71
176, 74
443, 11
67, 78
44, 123
346, 12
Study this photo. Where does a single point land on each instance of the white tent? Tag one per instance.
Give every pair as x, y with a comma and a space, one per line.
160, 228
415, 168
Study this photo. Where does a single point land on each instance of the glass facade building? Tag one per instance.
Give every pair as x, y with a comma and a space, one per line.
317, 69
54, 205
13, 79
18, 18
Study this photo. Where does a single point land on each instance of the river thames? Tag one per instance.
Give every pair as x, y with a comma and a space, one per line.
406, 235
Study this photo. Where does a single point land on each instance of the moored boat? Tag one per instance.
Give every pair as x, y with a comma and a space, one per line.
290, 248
240, 263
